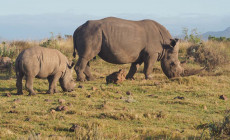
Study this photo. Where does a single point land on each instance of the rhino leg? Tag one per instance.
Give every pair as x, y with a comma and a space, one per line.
80, 69
50, 79
88, 74
19, 84
29, 84
53, 83
132, 71
148, 65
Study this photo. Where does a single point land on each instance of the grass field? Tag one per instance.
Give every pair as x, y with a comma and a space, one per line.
105, 111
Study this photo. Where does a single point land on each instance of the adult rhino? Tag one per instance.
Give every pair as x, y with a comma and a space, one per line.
120, 41
47, 63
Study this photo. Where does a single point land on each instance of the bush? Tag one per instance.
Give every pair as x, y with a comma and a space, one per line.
49, 44
218, 130
7, 51
19, 46
220, 39
209, 54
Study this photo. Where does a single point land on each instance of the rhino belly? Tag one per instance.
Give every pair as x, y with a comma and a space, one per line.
119, 56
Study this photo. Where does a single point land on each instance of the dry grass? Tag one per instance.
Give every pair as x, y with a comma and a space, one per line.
150, 112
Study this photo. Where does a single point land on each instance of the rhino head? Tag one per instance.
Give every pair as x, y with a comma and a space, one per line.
67, 83
170, 63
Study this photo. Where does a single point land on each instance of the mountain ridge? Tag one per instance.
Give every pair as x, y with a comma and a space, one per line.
224, 33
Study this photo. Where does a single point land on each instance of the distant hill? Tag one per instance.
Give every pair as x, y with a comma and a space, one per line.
225, 33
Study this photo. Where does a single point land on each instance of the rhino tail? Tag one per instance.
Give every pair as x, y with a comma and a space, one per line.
74, 49
17, 67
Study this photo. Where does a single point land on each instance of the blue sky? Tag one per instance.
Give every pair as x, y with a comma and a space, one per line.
35, 19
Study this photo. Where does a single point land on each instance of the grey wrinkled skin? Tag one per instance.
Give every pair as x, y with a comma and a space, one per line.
120, 41
39, 62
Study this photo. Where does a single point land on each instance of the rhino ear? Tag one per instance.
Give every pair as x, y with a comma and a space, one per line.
173, 42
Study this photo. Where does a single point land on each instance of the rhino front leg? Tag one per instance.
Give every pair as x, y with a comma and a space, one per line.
53, 83
132, 71
148, 65
50, 79
80, 69
29, 84
19, 84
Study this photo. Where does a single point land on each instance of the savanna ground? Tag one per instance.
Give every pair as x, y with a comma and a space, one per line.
105, 111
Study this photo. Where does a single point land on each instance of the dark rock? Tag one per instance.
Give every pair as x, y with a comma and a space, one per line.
153, 96
80, 86
116, 77
223, 97
179, 97
61, 108
128, 93
27, 119
71, 112
73, 128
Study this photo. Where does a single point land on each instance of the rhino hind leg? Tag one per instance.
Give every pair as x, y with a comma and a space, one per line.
29, 85
148, 66
19, 84
80, 68
87, 73
132, 71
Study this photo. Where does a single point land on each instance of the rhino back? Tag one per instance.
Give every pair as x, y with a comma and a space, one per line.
41, 62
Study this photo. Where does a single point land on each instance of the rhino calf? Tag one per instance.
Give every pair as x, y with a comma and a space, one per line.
39, 62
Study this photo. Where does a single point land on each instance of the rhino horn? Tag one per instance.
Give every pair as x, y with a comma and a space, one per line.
189, 72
